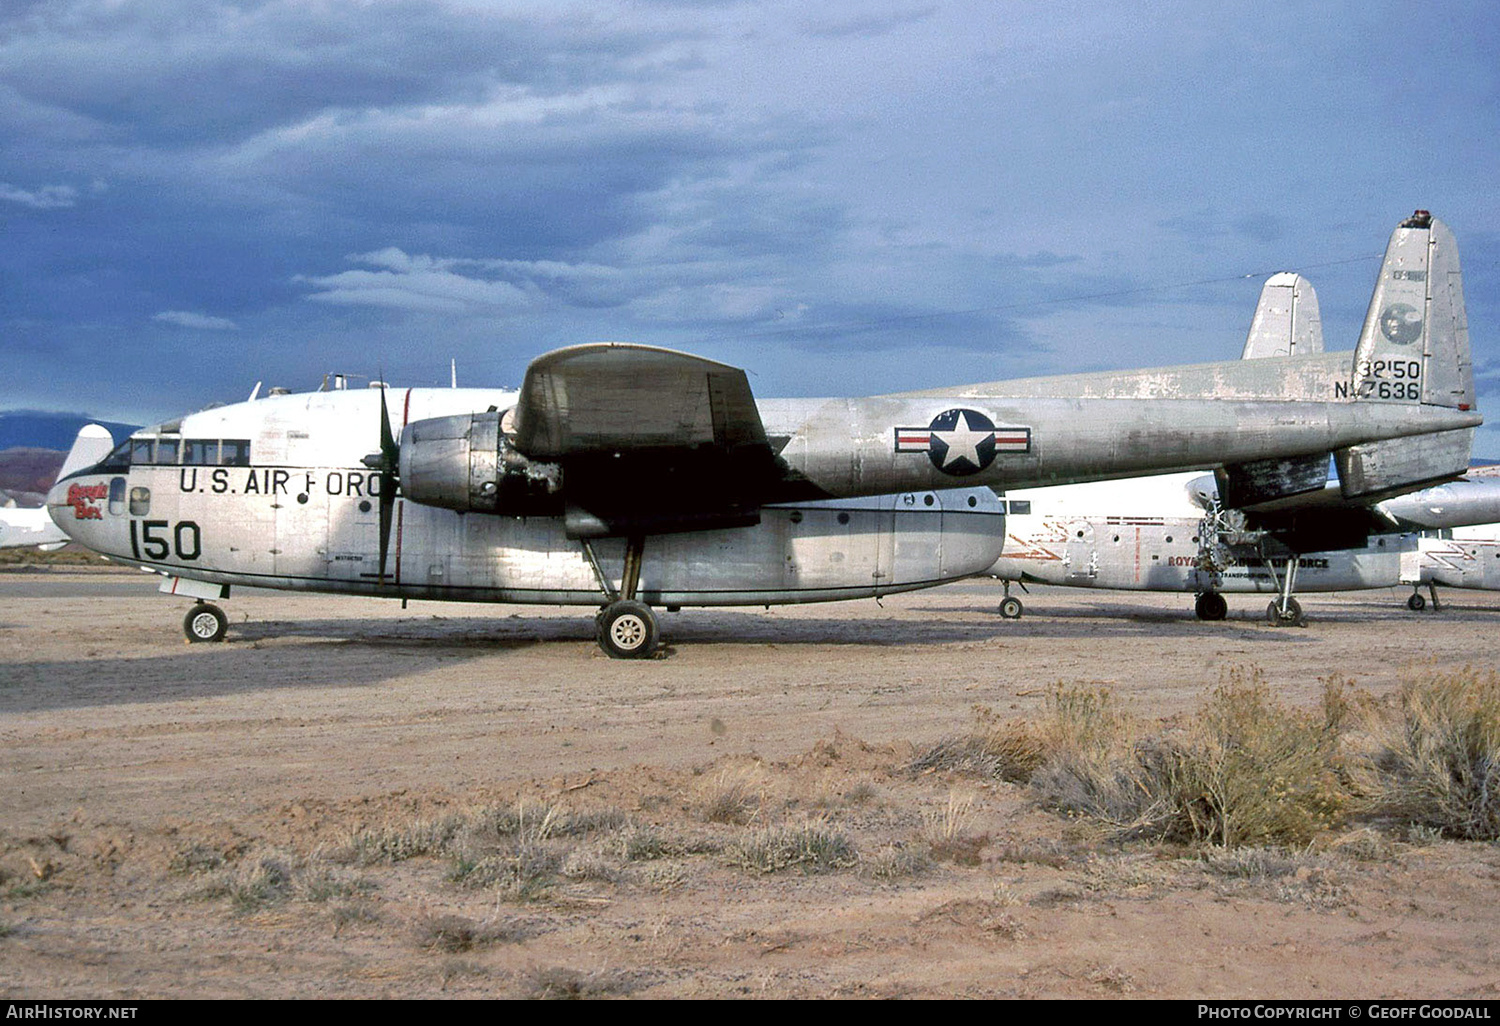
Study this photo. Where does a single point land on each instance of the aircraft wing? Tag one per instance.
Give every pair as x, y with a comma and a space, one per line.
616, 398
649, 439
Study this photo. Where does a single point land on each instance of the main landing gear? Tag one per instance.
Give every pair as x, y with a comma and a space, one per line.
1417, 603
1010, 606
1211, 606
625, 627
205, 622
1284, 611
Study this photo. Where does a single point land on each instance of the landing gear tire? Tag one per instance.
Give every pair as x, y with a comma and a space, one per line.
1416, 603
205, 622
628, 630
1211, 606
1011, 608
1291, 618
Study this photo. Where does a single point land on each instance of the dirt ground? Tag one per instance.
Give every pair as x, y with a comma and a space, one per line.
348, 799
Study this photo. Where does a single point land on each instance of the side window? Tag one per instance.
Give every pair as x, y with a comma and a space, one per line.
116, 496
200, 452
235, 452
140, 502
166, 450
1021, 507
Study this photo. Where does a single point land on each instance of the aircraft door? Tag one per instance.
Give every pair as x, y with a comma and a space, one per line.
916, 538
1080, 555
301, 509
353, 517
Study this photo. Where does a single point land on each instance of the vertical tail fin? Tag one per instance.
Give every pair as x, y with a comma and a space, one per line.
1414, 349
1415, 342
1286, 322
92, 445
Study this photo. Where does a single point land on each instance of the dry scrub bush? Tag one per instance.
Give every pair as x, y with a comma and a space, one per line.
1245, 770
1433, 761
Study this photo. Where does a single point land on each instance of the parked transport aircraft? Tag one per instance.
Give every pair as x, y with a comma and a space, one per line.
23, 528
628, 476
1179, 533
1166, 533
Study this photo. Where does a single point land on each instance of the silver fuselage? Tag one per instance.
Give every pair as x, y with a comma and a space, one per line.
300, 511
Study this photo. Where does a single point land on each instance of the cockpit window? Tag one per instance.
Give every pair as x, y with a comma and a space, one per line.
140, 450
119, 457
166, 450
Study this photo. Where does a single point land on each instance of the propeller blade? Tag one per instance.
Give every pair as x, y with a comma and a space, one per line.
390, 461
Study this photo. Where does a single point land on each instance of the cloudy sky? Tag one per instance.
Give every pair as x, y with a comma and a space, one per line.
852, 197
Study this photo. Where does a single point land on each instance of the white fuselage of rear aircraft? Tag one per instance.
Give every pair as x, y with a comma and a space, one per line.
1145, 534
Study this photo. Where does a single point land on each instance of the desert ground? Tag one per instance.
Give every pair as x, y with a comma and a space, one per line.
349, 799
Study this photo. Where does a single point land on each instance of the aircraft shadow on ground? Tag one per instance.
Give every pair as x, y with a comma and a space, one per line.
252, 660
239, 666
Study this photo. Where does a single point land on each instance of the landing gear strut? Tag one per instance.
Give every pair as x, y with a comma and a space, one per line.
1417, 603
205, 622
625, 628
1285, 611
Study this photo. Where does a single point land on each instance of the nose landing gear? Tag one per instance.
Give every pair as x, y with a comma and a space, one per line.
205, 622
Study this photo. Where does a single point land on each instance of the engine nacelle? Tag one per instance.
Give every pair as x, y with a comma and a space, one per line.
466, 463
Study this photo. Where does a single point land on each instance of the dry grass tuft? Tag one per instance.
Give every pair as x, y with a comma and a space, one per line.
734, 796
993, 750
1434, 760
813, 847
562, 984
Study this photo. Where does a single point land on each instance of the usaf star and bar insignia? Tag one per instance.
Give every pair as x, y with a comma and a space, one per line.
963, 441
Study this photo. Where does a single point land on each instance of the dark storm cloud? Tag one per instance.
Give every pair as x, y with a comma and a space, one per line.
176, 74
809, 191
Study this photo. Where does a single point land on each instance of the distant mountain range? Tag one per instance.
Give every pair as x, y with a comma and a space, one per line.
36, 429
